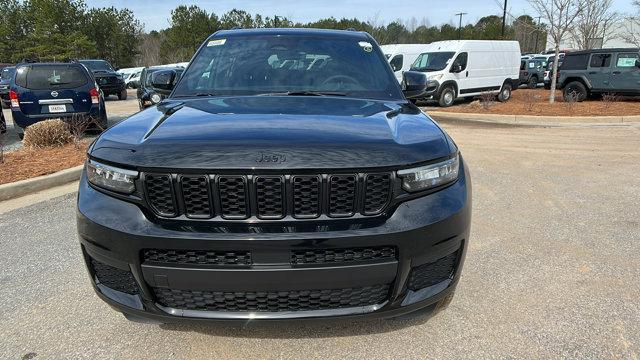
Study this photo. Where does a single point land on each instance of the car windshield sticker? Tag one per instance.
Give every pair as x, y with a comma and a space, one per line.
216, 42
366, 46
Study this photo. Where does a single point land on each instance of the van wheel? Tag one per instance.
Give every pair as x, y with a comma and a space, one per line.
122, 95
574, 91
505, 93
447, 96
533, 82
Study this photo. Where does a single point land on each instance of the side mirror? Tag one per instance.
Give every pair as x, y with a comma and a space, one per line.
414, 84
163, 79
456, 68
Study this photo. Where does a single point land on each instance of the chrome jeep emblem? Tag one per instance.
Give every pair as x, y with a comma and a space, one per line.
54, 93
271, 158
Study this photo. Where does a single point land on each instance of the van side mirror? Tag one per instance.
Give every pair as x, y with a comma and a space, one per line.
163, 79
414, 84
456, 68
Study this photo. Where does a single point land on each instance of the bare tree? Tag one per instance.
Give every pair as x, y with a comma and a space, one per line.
631, 31
560, 15
594, 24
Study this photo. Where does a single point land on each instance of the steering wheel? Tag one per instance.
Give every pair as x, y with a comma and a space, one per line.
334, 78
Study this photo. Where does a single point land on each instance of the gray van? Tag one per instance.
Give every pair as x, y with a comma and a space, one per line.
592, 72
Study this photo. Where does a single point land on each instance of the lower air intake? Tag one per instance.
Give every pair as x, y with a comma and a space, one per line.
272, 301
433, 273
114, 278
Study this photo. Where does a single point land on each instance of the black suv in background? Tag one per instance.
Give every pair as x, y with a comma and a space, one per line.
592, 72
267, 187
108, 80
146, 93
6, 74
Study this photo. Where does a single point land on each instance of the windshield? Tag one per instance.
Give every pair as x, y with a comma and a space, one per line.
7, 73
273, 64
432, 61
97, 65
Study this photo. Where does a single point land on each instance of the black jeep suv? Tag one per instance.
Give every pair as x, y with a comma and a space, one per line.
108, 80
285, 177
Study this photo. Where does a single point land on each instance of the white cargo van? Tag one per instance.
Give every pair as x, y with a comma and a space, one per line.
465, 68
401, 56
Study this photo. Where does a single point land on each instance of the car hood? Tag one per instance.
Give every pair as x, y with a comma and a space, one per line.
262, 132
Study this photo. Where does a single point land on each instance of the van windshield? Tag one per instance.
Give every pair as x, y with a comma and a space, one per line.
276, 64
432, 61
46, 77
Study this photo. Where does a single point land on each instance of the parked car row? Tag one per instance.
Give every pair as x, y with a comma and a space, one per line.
467, 68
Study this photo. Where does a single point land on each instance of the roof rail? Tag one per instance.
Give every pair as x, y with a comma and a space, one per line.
351, 29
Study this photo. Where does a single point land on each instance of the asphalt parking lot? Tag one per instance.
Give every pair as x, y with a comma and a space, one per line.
552, 270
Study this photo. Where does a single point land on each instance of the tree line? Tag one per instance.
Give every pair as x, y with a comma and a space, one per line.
59, 30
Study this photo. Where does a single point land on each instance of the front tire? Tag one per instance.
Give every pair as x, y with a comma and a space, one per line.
533, 82
575, 91
122, 95
505, 93
447, 96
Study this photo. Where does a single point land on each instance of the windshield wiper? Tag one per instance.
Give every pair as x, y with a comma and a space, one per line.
305, 93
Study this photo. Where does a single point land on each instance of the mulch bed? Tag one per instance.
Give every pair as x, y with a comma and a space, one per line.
27, 163
536, 102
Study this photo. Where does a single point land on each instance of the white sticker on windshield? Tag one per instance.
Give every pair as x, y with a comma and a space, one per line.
216, 42
366, 46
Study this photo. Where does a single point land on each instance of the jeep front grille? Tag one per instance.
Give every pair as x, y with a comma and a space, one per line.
269, 197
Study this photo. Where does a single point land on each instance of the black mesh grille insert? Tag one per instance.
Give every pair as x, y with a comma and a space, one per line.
272, 301
342, 195
198, 257
323, 256
195, 192
233, 196
160, 193
306, 192
430, 274
270, 196
114, 278
377, 187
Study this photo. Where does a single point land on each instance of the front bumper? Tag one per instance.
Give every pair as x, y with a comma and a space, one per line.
423, 231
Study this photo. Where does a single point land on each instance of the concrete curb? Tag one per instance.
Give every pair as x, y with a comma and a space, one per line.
28, 186
536, 120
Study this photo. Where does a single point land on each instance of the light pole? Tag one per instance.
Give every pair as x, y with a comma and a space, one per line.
460, 25
504, 17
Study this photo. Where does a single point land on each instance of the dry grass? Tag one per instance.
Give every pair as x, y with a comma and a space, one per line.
31, 162
47, 133
536, 102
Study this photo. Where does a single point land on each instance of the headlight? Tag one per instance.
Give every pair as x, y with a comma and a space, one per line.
111, 178
430, 176
156, 98
435, 77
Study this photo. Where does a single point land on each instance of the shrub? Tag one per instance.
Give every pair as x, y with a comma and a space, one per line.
487, 99
79, 124
608, 99
47, 133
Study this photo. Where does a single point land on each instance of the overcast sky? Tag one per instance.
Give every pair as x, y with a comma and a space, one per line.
155, 13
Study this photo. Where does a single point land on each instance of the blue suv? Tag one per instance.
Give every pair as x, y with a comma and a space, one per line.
41, 91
